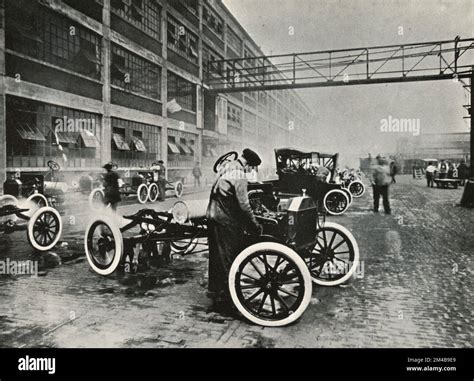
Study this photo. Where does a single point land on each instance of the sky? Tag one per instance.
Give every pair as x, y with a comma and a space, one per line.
348, 119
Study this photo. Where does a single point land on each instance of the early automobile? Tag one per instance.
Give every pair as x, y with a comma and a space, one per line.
270, 280
299, 172
143, 184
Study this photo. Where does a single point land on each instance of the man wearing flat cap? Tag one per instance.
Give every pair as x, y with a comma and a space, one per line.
229, 215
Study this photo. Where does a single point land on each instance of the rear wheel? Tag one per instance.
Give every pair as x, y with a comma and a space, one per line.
142, 193
336, 202
178, 189
96, 199
103, 244
44, 229
357, 188
335, 256
348, 194
270, 284
153, 192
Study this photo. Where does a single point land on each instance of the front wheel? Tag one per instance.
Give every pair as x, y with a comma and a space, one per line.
142, 193
153, 192
335, 256
357, 188
44, 229
348, 194
103, 245
336, 202
270, 284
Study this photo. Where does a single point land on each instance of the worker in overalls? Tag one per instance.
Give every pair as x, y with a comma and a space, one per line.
229, 215
159, 177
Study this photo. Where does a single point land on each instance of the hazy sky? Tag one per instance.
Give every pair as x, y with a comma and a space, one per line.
349, 118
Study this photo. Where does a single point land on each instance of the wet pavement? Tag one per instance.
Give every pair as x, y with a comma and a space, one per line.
413, 289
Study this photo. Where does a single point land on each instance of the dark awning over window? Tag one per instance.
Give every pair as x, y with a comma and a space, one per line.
29, 132
172, 148
89, 139
185, 148
138, 144
120, 143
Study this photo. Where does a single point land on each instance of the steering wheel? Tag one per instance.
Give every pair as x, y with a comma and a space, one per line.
228, 157
53, 165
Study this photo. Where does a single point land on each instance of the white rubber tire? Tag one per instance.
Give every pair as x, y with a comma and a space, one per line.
335, 191
31, 223
139, 191
290, 255
92, 204
178, 189
12, 200
349, 195
363, 188
118, 239
157, 193
355, 262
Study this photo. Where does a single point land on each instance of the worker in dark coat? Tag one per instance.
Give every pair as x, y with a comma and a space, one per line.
111, 187
229, 215
159, 177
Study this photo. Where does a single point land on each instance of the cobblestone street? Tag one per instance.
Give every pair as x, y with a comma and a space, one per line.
414, 288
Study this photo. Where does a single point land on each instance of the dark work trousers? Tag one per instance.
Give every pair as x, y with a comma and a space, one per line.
161, 189
381, 190
429, 179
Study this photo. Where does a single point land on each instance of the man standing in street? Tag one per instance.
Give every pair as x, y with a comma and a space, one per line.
380, 183
160, 171
430, 173
111, 187
393, 171
229, 215
197, 175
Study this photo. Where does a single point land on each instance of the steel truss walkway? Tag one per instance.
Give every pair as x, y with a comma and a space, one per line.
424, 61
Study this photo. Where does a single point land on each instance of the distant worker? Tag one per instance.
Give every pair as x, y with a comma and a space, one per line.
430, 174
111, 187
380, 183
197, 175
393, 171
443, 169
463, 171
159, 177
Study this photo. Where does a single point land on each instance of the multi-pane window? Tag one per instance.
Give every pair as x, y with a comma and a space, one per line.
48, 36
234, 113
133, 73
234, 41
212, 20
38, 132
183, 91
191, 5
144, 14
208, 56
182, 41
134, 144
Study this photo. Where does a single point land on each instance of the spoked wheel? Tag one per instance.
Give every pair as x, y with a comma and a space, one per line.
142, 193
348, 194
103, 244
153, 192
178, 189
44, 229
334, 257
336, 202
270, 284
357, 188
8, 202
96, 199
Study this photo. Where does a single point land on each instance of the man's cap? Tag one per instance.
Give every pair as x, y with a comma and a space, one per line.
251, 157
108, 166
161, 162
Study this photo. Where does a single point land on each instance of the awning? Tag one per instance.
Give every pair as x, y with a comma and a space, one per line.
190, 147
138, 144
173, 148
185, 148
29, 132
120, 143
65, 137
89, 139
